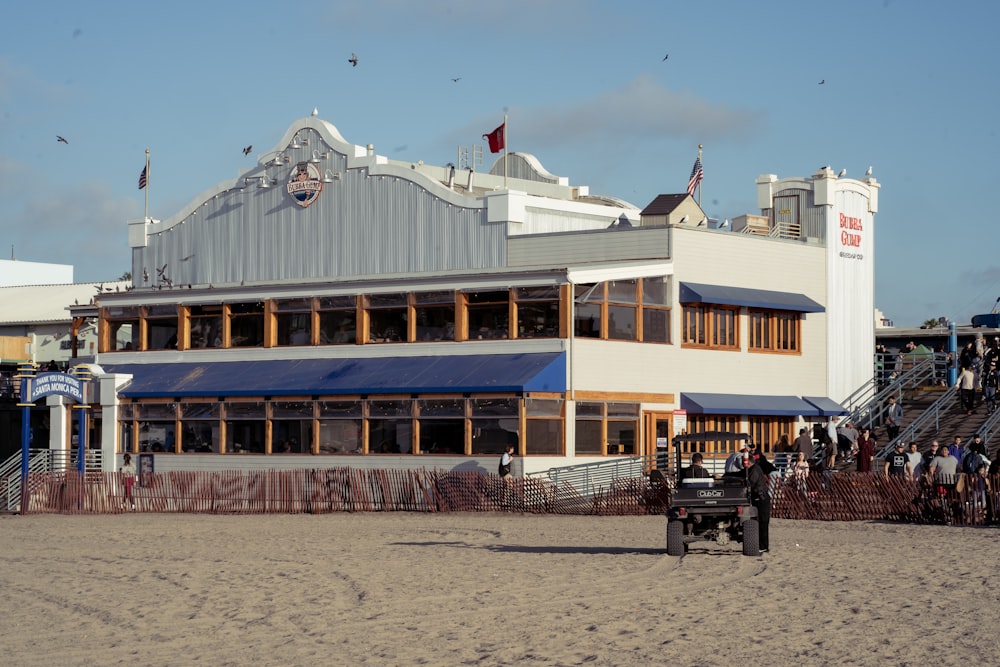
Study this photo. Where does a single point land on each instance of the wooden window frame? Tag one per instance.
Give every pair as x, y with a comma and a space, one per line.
710, 319
783, 328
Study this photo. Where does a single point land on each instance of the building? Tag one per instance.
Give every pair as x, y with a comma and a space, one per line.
334, 307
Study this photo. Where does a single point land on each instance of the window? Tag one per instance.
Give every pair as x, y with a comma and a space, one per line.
774, 331
495, 424
767, 431
622, 309
702, 423
291, 427
157, 427
619, 421
488, 314
711, 326
537, 312
387, 316
206, 326
338, 320
246, 424
588, 310
246, 324
613, 310
161, 327
655, 310
200, 426
544, 426
341, 427
435, 314
442, 425
390, 426
293, 319
122, 324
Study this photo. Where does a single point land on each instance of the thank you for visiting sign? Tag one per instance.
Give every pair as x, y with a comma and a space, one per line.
63, 384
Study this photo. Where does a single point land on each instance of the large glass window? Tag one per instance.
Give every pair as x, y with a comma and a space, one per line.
589, 428
544, 426
495, 424
293, 319
615, 423
588, 310
442, 425
655, 310
435, 313
341, 427
537, 312
206, 326
246, 424
703, 423
161, 327
774, 331
488, 314
338, 320
390, 426
246, 324
387, 315
622, 309
291, 427
200, 426
123, 327
157, 427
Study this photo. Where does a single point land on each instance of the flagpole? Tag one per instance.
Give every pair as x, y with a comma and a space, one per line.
146, 218
505, 142
699, 182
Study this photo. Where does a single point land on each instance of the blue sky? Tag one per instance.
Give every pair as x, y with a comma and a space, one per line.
910, 88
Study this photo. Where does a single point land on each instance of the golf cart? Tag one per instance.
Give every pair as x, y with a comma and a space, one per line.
715, 508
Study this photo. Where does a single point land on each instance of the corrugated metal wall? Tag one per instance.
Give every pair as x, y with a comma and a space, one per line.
360, 225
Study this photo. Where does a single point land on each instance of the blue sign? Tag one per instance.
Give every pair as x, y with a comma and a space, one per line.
47, 384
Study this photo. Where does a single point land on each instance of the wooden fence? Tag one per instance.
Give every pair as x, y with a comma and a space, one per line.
838, 497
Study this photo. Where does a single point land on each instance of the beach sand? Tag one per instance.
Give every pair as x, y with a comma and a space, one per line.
487, 589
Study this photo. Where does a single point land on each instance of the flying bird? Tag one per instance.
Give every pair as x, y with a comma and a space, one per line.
822, 82
246, 151
456, 79
665, 57
353, 60
62, 139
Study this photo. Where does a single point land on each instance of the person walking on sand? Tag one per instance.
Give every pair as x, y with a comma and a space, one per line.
128, 479
506, 459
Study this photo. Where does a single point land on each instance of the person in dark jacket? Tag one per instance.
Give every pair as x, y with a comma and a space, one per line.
760, 496
696, 470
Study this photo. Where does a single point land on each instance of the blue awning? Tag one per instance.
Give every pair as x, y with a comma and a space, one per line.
745, 404
826, 407
384, 375
751, 298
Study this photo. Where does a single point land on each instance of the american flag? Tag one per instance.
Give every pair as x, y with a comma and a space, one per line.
697, 173
142, 177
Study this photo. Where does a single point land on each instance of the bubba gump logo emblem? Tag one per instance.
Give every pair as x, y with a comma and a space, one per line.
305, 184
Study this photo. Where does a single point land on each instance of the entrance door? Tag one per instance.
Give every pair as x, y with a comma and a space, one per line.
659, 430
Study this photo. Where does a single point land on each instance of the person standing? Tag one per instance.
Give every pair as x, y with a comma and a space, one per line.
897, 464
128, 479
966, 384
916, 460
506, 461
866, 451
760, 496
804, 443
991, 382
893, 418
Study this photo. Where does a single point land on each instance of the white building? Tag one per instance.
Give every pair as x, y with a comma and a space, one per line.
333, 307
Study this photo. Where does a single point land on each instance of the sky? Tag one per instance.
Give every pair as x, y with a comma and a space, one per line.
615, 96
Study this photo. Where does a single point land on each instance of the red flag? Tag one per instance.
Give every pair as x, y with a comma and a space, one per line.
142, 177
497, 138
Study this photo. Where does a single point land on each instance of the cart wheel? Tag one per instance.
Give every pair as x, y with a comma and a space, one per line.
751, 538
675, 538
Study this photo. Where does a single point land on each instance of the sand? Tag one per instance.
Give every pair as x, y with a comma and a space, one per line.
487, 589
